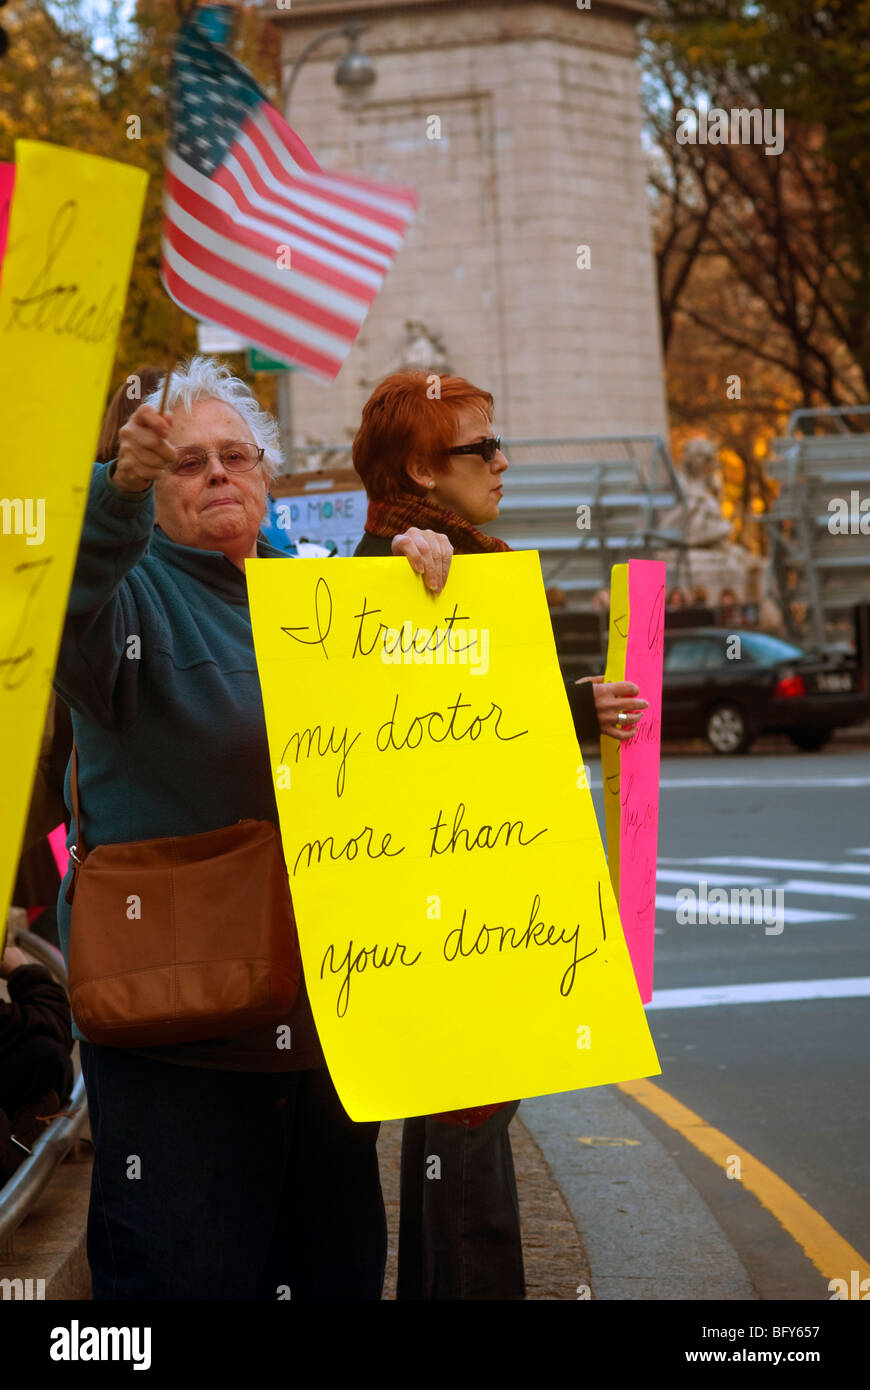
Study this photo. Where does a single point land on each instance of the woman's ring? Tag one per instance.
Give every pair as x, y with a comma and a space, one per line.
622, 718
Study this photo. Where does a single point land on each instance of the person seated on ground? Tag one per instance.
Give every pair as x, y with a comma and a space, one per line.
36, 1072
798, 615
730, 614
770, 617
698, 611
750, 614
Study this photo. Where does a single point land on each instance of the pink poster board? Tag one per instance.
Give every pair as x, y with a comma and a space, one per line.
640, 759
57, 840
7, 182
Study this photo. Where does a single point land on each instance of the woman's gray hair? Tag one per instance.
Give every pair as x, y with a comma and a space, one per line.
205, 378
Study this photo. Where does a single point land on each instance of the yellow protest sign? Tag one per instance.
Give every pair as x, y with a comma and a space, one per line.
72, 234
459, 934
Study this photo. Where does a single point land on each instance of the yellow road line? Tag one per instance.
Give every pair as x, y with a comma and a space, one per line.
832, 1256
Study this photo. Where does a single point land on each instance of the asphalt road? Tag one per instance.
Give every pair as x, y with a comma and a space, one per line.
785, 1078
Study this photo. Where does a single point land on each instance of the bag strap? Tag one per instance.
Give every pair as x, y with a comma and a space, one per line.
77, 852
79, 847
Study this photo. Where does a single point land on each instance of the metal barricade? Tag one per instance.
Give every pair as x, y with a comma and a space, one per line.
822, 466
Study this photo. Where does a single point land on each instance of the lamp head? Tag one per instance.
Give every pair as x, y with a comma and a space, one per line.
355, 71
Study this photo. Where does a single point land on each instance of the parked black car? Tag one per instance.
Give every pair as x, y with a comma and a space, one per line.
730, 685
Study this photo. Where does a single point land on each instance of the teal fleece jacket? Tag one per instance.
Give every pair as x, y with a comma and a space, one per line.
170, 728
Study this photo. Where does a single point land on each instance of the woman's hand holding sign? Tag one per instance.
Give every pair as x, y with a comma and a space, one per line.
428, 552
615, 698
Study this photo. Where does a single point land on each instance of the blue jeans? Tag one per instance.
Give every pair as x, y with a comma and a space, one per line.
459, 1225
228, 1185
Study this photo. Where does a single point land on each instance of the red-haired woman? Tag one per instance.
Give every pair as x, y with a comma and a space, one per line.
430, 461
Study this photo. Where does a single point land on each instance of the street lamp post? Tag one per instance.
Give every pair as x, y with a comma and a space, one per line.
354, 73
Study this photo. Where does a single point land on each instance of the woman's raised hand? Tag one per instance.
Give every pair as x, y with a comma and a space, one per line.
429, 554
143, 450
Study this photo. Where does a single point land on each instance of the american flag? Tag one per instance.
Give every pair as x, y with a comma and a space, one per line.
256, 237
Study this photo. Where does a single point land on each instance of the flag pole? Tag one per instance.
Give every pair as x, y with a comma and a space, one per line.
174, 349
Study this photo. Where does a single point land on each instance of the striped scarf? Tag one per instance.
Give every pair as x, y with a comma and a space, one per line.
390, 516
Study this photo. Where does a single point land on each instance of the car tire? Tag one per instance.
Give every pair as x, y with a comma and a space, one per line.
728, 730
809, 740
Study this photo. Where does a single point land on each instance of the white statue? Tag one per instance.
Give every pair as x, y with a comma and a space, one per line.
700, 517
714, 561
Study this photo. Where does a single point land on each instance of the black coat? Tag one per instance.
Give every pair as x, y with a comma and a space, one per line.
37, 1005
581, 698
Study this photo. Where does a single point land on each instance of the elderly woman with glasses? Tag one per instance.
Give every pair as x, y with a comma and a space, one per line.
223, 1169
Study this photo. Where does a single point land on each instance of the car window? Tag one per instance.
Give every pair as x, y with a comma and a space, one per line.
695, 654
764, 649
716, 653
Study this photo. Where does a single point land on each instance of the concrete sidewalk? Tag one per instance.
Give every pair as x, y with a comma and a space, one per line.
646, 1230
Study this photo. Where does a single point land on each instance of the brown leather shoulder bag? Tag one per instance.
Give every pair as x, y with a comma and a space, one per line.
180, 939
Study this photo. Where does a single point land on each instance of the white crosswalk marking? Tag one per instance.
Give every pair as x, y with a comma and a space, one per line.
772, 993
833, 890
761, 783
752, 862
713, 879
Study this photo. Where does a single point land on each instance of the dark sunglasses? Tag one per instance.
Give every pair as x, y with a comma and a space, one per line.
487, 448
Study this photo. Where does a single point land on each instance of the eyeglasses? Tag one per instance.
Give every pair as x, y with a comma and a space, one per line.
236, 458
487, 448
